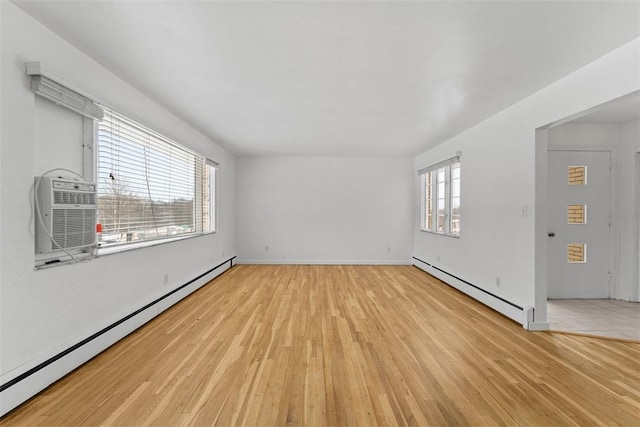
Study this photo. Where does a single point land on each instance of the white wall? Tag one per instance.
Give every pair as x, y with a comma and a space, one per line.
46, 311
629, 190
324, 210
601, 135
623, 140
500, 173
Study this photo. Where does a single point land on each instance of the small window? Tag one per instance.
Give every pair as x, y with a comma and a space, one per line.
577, 214
441, 208
150, 188
455, 199
440, 201
577, 253
428, 202
577, 175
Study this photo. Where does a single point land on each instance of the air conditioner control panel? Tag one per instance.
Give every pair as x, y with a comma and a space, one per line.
70, 185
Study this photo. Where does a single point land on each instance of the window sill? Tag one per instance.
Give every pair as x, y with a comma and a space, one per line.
125, 247
59, 258
455, 236
45, 262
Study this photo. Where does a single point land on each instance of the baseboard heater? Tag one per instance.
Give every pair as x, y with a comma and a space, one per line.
22, 387
522, 315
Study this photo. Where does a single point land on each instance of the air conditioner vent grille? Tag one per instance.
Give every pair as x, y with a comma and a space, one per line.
67, 214
73, 198
73, 228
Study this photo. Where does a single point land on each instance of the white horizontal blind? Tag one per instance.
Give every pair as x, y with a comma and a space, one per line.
149, 187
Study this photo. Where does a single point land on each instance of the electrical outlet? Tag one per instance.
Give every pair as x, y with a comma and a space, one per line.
266, 248
498, 281
388, 248
524, 211
165, 279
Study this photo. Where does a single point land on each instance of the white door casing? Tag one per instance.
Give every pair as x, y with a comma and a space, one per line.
572, 273
635, 292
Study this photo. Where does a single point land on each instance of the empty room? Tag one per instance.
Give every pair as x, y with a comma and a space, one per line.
321, 213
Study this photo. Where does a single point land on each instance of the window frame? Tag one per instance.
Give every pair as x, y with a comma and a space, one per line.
212, 167
436, 183
91, 168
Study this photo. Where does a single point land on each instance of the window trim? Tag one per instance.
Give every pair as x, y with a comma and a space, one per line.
124, 247
90, 166
435, 195
215, 166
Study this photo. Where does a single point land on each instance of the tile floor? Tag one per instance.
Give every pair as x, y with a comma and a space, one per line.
610, 318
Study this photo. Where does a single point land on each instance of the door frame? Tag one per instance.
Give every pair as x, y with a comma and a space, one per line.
541, 142
613, 243
635, 290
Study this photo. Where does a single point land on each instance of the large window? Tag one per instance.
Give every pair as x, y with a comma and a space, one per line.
440, 201
149, 187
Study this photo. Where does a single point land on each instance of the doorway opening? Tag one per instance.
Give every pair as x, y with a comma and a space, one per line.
587, 221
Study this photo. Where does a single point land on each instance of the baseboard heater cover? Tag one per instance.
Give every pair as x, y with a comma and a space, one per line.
522, 315
324, 261
26, 385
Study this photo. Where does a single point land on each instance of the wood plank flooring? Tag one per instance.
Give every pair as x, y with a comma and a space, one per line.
342, 345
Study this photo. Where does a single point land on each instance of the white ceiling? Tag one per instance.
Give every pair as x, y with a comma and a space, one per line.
339, 78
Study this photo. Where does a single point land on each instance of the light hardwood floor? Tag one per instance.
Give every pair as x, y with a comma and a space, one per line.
342, 345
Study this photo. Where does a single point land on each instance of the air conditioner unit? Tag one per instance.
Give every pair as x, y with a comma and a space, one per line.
68, 211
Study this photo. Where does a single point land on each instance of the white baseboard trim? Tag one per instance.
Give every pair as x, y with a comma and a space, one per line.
17, 387
497, 303
538, 326
325, 261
